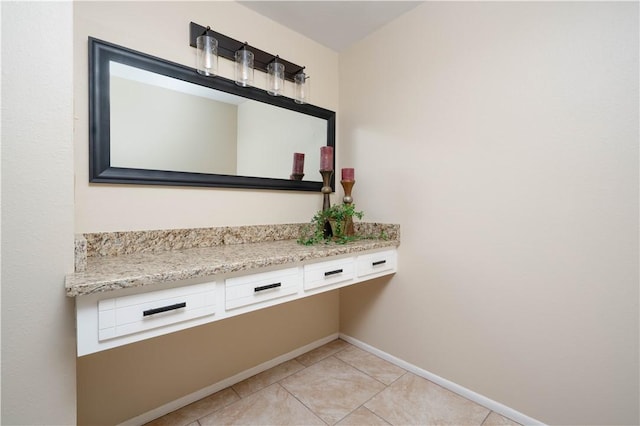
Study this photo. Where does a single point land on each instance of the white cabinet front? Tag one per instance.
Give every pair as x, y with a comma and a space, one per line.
261, 287
330, 272
377, 263
120, 316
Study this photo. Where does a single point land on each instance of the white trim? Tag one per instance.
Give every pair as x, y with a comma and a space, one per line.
495, 406
223, 384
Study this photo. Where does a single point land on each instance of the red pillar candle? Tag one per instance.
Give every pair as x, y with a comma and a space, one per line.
348, 174
298, 163
326, 158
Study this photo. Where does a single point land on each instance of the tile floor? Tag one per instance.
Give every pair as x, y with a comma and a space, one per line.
335, 384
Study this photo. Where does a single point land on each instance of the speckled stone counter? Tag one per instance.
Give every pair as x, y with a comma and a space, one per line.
80, 254
142, 267
155, 241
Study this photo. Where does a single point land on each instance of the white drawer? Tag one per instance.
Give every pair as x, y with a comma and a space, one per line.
375, 263
125, 315
330, 272
256, 288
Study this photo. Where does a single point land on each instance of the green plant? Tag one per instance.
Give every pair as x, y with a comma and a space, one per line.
337, 216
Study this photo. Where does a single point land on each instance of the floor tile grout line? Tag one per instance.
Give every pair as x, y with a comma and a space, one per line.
347, 364
301, 402
365, 373
298, 399
377, 357
362, 406
277, 381
399, 377
378, 393
446, 390
374, 378
236, 392
222, 407
323, 358
372, 396
379, 416
486, 417
455, 393
375, 414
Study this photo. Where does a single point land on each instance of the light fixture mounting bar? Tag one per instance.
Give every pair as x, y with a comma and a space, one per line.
227, 48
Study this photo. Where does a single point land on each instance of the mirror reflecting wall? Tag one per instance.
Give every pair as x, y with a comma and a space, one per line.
156, 122
202, 130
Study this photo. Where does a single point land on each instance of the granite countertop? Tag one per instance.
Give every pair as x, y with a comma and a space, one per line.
108, 273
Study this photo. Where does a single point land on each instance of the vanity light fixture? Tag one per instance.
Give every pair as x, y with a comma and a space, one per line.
244, 66
243, 54
207, 56
302, 87
275, 77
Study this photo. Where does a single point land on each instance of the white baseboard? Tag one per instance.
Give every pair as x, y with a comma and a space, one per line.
223, 384
492, 405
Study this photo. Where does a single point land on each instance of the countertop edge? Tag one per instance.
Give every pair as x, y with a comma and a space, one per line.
76, 284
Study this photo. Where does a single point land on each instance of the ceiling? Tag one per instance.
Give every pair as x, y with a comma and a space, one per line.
334, 24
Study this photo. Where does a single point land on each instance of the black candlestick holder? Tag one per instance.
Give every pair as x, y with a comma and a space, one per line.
326, 202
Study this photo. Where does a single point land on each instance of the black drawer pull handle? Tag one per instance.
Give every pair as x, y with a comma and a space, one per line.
337, 271
267, 287
164, 309
379, 262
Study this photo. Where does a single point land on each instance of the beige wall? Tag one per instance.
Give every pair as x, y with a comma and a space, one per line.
38, 342
129, 377
165, 33
504, 139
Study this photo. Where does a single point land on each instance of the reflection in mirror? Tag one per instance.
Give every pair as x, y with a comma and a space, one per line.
157, 122
202, 130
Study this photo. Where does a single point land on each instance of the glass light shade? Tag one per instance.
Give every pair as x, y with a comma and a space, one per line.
244, 67
302, 88
207, 56
275, 78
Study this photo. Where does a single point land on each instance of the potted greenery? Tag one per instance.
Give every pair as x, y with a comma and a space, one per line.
339, 216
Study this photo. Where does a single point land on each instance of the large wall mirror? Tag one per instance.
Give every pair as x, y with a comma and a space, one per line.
155, 122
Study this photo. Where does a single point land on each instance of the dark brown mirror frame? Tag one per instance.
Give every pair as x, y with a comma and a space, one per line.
100, 170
